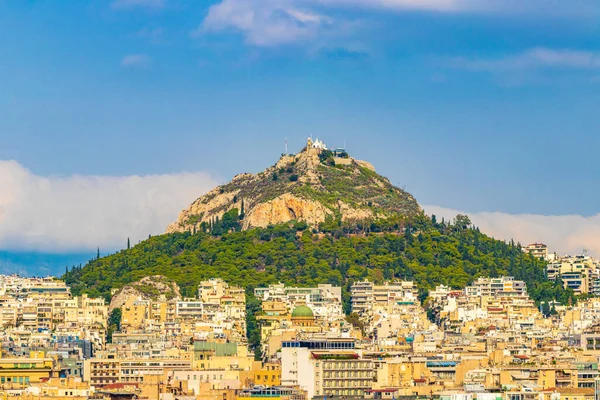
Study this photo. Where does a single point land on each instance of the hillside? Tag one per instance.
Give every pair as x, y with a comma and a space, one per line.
315, 217
419, 249
313, 186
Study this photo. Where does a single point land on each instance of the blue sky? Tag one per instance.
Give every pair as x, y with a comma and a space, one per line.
471, 105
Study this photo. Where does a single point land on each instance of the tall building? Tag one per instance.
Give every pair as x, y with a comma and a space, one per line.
327, 367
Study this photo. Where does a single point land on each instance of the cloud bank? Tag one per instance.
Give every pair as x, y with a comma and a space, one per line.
564, 234
74, 213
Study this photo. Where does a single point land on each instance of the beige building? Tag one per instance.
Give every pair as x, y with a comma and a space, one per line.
538, 250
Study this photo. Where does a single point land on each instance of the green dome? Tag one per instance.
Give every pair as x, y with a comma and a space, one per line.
302, 312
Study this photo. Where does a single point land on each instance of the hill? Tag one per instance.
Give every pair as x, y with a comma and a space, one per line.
315, 217
318, 216
419, 249
313, 186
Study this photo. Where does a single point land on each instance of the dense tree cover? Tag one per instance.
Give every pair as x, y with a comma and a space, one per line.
419, 249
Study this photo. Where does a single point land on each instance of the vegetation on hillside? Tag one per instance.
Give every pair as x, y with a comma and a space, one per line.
327, 182
419, 249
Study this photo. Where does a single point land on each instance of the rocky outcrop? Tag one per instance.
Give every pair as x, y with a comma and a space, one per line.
156, 287
366, 165
213, 205
286, 208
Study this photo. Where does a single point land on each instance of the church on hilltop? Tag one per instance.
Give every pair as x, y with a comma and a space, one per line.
320, 145
316, 144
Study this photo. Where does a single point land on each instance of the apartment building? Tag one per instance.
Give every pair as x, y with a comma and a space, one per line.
365, 296
325, 300
501, 286
580, 273
538, 250
326, 367
19, 372
111, 370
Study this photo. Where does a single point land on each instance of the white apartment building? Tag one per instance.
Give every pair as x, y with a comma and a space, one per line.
367, 295
502, 286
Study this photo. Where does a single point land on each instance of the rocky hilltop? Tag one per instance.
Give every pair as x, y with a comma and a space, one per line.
311, 186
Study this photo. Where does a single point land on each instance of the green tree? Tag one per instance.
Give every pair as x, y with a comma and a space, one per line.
461, 222
355, 320
114, 323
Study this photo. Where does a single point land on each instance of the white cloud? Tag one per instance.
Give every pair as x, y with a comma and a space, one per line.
136, 60
564, 234
536, 58
75, 213
128, 4
267, 23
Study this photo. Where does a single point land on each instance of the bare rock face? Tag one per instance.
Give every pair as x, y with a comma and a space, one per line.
309, 186
286, 208
156, 287
213, 205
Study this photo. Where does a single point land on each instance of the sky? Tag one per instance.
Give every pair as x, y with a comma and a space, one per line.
116, 114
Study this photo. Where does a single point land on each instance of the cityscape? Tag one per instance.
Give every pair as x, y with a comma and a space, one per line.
299, 200
487, 341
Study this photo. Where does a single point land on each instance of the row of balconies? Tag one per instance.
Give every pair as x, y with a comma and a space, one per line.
336, 375
346, 366
341, 384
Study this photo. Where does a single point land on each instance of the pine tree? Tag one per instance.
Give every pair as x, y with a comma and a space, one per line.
98, 254
128, 244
